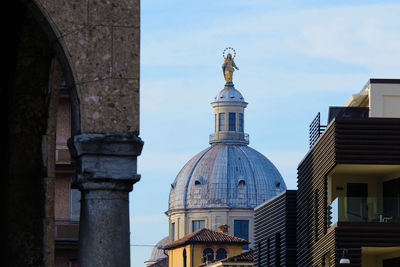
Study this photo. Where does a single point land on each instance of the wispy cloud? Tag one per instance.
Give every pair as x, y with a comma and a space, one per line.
365, 35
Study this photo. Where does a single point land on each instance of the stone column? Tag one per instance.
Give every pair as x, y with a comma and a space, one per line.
106, 172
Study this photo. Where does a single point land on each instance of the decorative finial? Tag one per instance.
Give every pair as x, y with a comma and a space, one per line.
229, 65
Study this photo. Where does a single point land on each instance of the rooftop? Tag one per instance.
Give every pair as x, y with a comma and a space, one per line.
247, 256
205, 235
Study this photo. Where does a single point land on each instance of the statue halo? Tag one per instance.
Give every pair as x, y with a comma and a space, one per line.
228, 49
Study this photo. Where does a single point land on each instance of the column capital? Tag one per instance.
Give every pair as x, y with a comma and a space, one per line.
105, 161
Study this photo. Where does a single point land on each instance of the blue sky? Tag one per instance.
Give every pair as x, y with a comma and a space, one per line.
296, 58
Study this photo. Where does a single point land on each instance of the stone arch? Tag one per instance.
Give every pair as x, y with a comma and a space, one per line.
96, 47
35, 63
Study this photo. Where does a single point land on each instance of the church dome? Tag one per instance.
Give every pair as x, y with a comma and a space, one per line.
158, 253
225, 176
229, 94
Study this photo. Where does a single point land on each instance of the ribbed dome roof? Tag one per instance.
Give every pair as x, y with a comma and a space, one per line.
229, 94
225, 176
158, 253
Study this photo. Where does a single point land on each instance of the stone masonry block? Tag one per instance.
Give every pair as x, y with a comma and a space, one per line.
126, 51
114, 12
110, 105
67, 15
91, 53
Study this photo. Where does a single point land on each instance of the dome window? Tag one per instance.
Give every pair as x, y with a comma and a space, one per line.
173, 185
242, 183
200, 181
277, 184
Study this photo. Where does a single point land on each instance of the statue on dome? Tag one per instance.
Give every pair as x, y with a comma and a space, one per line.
229, 65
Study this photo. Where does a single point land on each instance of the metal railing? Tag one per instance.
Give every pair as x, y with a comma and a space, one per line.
66, 229
315, 130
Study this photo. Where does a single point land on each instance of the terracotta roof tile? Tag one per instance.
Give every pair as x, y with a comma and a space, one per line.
206, 236
247, 256
160, 263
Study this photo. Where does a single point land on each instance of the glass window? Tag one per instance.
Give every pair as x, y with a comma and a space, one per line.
184, 258
215, 122
240, 122
232, 121
208, 254
75, 204
197, 224
241, 229
221, 122
220, 254
173, 231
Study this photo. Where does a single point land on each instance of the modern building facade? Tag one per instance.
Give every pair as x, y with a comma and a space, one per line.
275, 231
348, 198
225, 182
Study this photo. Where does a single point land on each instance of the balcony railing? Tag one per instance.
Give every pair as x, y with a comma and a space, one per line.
315, 130
358, 209
66, 230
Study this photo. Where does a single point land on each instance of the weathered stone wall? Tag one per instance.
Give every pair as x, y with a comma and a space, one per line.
96, 44
101, 39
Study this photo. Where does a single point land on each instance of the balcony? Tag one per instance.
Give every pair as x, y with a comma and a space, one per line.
369, 209
66, 231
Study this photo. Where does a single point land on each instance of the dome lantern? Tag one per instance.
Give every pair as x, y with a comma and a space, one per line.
229, 108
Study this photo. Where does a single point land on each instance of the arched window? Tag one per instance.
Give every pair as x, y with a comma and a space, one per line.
220, 254
208, 254
241, 183
184, 258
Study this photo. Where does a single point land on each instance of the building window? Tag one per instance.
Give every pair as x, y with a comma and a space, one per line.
232, 121
278, 250
220, 254
173, 231
184, 258
208, 255
221, 122
241, 229
75, 204
215, 122
240, 122
197, 224
242, 184
326, 260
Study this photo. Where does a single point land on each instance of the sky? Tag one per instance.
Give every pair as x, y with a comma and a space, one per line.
295, 58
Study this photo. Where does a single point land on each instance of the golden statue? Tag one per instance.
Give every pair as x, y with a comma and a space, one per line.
229, 66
